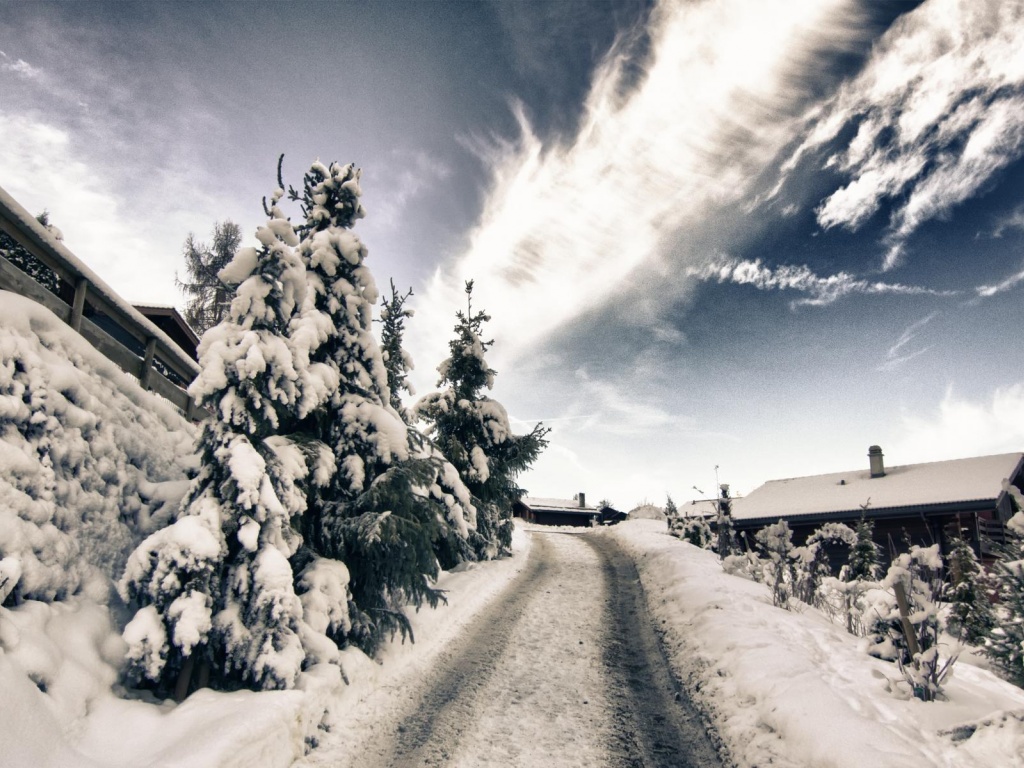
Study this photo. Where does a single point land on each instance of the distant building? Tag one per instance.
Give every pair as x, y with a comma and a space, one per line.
170, 321
929, 502
574, 512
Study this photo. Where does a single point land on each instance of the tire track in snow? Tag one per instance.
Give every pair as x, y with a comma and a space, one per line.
656, 724
561, 671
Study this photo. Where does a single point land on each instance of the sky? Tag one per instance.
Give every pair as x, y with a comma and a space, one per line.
725, 241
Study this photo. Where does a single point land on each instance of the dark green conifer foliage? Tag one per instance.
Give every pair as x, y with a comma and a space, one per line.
971, 611
474, 433
863, 563
1005, 644
378, 512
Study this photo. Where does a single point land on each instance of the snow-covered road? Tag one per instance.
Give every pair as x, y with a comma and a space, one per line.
563, 669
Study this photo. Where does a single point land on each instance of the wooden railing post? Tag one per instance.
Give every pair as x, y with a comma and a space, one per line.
147, 363
78, 305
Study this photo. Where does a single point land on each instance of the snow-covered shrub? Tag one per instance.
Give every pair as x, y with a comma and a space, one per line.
78, 441
913, 624
812, 561
695, 530
474, 433
776, 545
1005, 644
747, 564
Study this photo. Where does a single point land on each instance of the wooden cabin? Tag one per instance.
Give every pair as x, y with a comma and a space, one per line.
928, 502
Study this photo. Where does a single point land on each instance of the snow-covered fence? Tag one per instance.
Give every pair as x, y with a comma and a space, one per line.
90, 290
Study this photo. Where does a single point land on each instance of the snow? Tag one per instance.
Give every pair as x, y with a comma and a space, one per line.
79, 438
930, 483
792, 689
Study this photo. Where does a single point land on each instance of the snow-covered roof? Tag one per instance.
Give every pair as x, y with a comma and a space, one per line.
562, 505
940, 482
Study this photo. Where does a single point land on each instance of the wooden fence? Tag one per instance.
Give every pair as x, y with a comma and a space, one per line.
92, 300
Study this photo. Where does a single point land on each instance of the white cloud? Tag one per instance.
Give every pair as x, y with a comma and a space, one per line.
987, 291
938, 106
821, 291
1012, 221
135, 252
19, 67
897, 354
564, 226
961, 428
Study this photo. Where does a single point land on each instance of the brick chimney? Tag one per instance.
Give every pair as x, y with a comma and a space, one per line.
877, 464
583, 499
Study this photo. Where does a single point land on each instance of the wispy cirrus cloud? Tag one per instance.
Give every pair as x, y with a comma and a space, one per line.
820, 290
564, 225
987, 291
937, 111
897, 354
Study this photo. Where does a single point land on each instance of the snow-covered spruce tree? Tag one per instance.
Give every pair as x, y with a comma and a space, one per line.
1005, 645
971, 614
217, 582
383, 509
447, 491
474, 433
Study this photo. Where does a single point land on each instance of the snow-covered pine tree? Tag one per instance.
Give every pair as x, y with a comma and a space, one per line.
382, 510
473, 431
446, 490
971, 613
217, 582
208, 299
1005, 645
863, 564
393, 314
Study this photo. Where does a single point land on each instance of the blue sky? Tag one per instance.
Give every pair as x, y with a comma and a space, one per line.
758, 235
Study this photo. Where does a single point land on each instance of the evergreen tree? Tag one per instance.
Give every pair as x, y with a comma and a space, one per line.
1005, 644
208, 298
671, 512
971, 611
863, 564
383, 510
217, 582
474, 433
393, 315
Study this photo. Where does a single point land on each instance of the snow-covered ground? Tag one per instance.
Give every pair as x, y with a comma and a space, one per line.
790, 688
100, 463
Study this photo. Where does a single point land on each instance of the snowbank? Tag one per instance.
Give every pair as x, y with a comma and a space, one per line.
791, 689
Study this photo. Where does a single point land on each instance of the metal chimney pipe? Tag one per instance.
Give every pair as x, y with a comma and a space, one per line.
583, 499
876, 461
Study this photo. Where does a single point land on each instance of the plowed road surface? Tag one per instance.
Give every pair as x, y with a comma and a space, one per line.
563, 669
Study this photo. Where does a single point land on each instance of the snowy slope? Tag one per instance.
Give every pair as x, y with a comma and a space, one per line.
790, 688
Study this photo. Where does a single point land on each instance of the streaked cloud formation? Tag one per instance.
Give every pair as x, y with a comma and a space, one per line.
564, 225
821, 291
937, 114
898, 354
